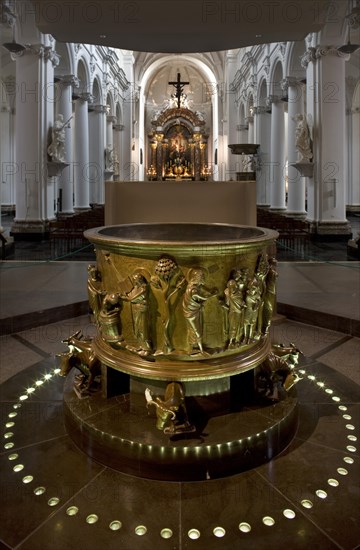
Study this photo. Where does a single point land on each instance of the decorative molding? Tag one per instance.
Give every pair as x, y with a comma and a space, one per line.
354, 18
308, 40
10, 84
273, 99
122, 80
51, 55
289, 81
69, 79
235, 84
86, 96
308, 57
100, 109
92, 64
242, 127
266, 65
77, 48
282, 47
260, 110
249, 119
7, 17
111, 118
322, 51
119, 127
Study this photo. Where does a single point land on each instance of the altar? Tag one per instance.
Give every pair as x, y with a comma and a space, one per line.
232, 202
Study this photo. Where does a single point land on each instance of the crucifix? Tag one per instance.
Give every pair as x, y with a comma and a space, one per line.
179, 88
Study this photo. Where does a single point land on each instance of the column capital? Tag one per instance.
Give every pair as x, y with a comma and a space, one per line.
68, 80
100, 109
111, 118
86, 96
323, 51
309, 56
289, 81
242, 127
260, 110
51, 55
44, 52
273, 99
119, 127
249, 119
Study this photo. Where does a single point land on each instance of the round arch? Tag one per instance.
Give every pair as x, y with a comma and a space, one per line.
83, 74
292, 63
97, 91
208, 76
66, 65
276, 76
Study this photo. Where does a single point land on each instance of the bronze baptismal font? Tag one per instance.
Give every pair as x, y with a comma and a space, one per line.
181, 380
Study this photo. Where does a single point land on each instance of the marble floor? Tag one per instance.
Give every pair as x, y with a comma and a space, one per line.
55, 496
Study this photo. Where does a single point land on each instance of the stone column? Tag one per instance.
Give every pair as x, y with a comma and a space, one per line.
263, 122
34, 191
250, 123
81, 153
97, 153
65, 107
277, 160
296, 182
326, 107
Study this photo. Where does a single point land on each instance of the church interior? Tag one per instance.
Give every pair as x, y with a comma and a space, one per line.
185, 121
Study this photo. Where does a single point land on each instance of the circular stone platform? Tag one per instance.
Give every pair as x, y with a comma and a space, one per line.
120, 433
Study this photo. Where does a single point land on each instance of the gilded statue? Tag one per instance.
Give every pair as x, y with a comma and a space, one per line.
171, 413
276, 375
196, 294
82, 356
234, 300
167, 284
260, 275
269, 296
95, 291
139, 300
109, 318
253, 302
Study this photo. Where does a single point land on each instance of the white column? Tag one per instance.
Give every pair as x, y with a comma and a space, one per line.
65, 107
296, 183
263, 121
277, 160
81, 152
326, 105
250, 122
97, 153
34, 191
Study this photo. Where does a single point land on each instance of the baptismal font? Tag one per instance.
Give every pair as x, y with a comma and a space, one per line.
181, 370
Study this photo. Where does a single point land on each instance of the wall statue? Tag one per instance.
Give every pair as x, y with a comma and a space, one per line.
302, 139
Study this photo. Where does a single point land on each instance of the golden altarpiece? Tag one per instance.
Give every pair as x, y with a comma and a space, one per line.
178, 146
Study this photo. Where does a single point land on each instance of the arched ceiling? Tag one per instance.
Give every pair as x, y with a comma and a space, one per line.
173, 26
158, 88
